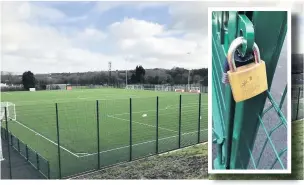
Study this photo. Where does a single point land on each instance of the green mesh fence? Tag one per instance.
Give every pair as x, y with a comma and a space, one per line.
29, 154
269, 151
72, 137
114, 131
297, 103
23, 149
77, 128
36, 127
32, 157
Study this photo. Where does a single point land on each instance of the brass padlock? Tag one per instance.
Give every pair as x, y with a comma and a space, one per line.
248, 80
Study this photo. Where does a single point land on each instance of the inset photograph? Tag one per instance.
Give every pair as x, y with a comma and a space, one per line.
249, 130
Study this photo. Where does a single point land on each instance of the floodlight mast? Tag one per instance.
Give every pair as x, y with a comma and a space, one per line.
126, 72
126, 77
189, 75
126, 60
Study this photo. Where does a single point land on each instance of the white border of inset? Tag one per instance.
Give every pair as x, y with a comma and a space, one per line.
288, 35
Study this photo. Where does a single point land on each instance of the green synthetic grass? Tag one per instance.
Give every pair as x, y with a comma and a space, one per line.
77, 118
187, 163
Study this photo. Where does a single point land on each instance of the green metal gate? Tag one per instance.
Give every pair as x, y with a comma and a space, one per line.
235, 125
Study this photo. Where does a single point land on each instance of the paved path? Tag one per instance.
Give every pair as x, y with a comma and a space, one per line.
21, 169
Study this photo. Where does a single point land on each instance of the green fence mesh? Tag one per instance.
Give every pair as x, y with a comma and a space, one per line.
129, 129
273, 153
297, 103
29, 154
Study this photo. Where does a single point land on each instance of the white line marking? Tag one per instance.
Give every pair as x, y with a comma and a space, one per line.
140, 143
142, 123
148, 111
82, 153
87, 98
46, 138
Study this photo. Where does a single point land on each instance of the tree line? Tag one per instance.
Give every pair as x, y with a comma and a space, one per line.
139, 75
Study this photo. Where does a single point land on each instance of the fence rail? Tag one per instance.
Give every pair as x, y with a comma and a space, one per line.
30, 155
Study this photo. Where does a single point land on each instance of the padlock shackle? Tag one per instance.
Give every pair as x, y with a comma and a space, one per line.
234, 45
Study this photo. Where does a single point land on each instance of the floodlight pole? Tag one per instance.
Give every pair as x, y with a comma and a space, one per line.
126, 77
126, 60
189, 79
189, 75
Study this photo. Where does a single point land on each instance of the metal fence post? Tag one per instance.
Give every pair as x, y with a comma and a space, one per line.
98, 144
199, 118
58, 143
48, 170
156, 125
283, 97
130, 129
37, 160
8, 145
11, 136
18, 145
26, 152
298, 105
180, 121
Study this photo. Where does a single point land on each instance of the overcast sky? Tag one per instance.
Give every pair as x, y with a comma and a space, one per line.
84, 36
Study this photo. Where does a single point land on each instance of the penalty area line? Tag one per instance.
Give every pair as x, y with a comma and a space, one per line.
47, 139
142, 123
151, 141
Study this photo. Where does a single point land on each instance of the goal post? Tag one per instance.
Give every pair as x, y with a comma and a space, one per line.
10, 115
57, 87
162, 88
135, 87
11, 111
194, 89
1, 153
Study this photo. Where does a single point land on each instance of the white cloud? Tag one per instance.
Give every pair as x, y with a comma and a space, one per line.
132, 28
29, 45
103, 6
44, 48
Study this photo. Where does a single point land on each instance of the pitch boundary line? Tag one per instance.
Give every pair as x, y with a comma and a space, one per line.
47, 138
149, 110
90, 154
142, 123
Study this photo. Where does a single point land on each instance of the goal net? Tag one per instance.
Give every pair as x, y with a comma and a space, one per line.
195, 89
56, 87
10, 111
1, 155
10, 115
162, 88
135, 87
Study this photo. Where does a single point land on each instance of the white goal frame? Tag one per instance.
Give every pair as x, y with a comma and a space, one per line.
1, 154
10, 108
11, 111
57, 86
162, 88
135, 87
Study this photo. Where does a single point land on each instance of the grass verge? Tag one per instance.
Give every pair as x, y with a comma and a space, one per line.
187, 163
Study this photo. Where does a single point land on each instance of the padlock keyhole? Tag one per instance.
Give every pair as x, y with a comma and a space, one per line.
241, 33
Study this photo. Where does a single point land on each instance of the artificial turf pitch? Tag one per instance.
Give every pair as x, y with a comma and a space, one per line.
35, 125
